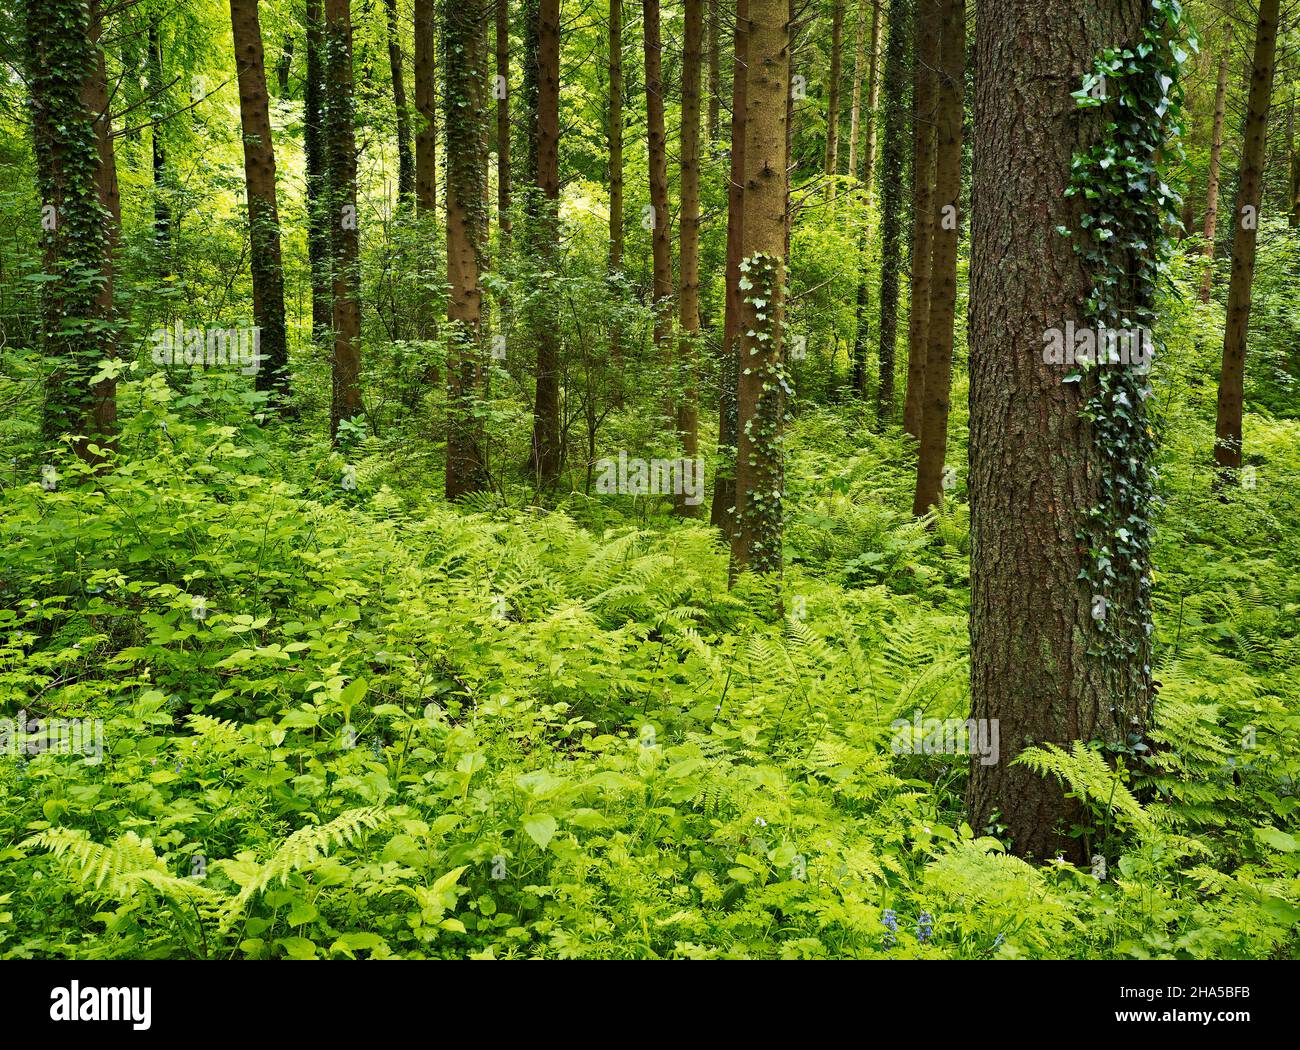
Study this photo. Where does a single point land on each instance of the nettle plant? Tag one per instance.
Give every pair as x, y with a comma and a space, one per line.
1126, 210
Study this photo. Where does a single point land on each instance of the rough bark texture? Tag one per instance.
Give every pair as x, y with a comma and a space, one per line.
263, 213
405, 161
1212, 184
724, 486
894, 164
503, 115
925, 31
1232, 374
660, 217
317, 183
426, 106
546, 405
162, 213
1033, 467
833, 93
73, 148
855, 105
942, 241
873, 94
464, 40
688, 299
615, 133
341, 158
756, 539
715, 71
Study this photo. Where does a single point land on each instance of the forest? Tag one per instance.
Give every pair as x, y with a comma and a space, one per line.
676, 479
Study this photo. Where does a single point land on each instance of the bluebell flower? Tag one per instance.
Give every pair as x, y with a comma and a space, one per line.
924, 927
890, 919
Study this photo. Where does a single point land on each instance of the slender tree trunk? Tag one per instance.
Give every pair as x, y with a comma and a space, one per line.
925, 31
341, 160
405, 161
426, 106
1227, 428
614, 131
546, 414
855, 108
833, 94
1212, 187
318, 192
69, 99
873, 94
688, 302
464, 24
263, 212
1293, 156
943, 239
894, 163
162, 212
760, 487
660, 217
284, 67
724, 487
503, 115
715, 71
1035, 469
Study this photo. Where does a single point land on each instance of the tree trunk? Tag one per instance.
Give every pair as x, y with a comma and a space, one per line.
162, 212
855, 108
1212, 186
426, 106
894, 163
724, 486
925, 31
285, 66
263, 213
1035, 469
615, 132
942, 242
1227, 427
546, 406
503, 115
833, 93
464, 39
688, 302
873, 94
715, 72
405, 162
660, 217
73, 149
341, 160
756, 539
317, 182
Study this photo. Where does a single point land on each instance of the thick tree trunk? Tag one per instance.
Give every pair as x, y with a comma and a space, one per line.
1227, 427
873, 95
660, 217
341, 160
1212, 185
464, 39
942, 241
724, 487
503, 115
925, 31
833, 93
760, 488
688, 301
77, 183
894, 164
546, 405
405, 161
263, 213
318, 225
855, 106
426, 106
1034, 468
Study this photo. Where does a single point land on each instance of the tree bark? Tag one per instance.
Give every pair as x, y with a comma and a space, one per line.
760, 488
925, 31
263, 212
833, 93
162, 213
405, 161
945, 231
660, 217
503, 115
715, 72
688, 300
724, 486
873, 95
317, 182
892, 159
426, 106
1034, 468
1232, 374
341, 159
1212, 186
855, 106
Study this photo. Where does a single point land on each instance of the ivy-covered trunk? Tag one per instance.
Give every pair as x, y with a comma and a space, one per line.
926, 31
464, 39
892, 176
1061, 481
760, 486
1232, 374
688, 302
502, 95
546, 453
724, 486
263, 214
945, 230
77, 188
345, 240
405, 161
